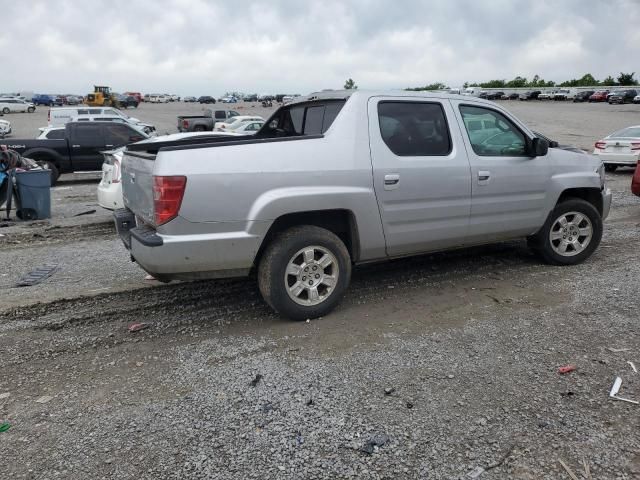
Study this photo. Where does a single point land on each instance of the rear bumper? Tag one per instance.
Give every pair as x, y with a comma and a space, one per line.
606, 203
187, 257
630, 159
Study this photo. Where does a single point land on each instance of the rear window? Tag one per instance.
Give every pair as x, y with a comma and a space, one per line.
631, 132
57, 134
303, 119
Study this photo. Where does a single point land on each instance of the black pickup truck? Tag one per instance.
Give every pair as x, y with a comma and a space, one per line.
204, 123
79, 149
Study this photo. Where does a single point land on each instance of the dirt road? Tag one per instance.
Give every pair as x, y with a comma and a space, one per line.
434, 367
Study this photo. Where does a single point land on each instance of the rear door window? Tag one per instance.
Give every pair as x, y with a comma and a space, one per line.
88, 134
119, 134
57, 134
303, 119
414, 129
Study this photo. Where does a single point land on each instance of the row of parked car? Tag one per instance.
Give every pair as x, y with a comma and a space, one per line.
630, 95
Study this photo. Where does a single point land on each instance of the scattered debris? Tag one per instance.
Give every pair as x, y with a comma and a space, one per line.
374, 443
4, 426
618, 350
267, 407
256, 380
633, 367
569, 471
476, 472
409, 405
566, 369
88, 212
36, 276
150, 278
616, 388
136, 327
309, 402
44, 399
388, 391
502, 459
587, 470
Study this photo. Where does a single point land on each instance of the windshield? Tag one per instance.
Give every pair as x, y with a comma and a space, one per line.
630, 132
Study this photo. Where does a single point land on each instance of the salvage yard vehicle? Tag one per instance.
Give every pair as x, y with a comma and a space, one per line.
347, 177
60, 116
5, 128
620, 149
635, 181
599, 96
204, 123
14, 105
583, 96
110, 187
235, 122
563, 94
80, 148
622, 96
249, 128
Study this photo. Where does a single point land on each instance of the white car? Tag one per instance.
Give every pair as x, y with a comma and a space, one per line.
234, 122
620, 149
60, 116
5, 128
110, 187
12, 105
249, 128
546, 95
636, 99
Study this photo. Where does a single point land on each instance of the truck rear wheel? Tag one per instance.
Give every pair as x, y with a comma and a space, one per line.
304, 272
570, 235
49, 165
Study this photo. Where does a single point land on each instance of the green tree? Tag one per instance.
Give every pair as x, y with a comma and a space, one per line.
494, 84
431, 86
609, 81
518, 82
350, 84
627, 79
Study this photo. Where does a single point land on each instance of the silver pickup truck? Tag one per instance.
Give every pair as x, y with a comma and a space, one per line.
342, 178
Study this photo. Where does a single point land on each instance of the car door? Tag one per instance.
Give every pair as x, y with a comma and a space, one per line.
421, 174
120, 134
509, 185
86, 142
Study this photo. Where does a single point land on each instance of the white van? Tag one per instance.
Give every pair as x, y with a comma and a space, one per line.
60, 116
472, 91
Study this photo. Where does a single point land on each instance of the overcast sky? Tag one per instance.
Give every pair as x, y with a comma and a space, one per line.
199, 47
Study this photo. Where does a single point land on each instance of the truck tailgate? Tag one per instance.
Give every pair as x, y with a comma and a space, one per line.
137, 183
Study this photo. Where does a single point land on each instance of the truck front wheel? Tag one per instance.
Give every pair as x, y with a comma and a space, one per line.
571, 233
304, 272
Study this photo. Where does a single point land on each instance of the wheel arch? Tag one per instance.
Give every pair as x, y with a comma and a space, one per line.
341, 222
589, 194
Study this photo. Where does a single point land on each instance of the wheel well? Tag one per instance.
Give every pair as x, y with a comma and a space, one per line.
340, 222
591, 195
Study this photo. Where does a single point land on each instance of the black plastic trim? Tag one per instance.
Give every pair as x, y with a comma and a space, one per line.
147, 236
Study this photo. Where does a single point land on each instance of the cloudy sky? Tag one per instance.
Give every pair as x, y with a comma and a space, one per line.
198, 47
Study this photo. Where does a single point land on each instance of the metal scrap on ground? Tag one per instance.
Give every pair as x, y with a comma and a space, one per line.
36, 276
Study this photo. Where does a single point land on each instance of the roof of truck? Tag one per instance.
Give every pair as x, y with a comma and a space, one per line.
345, 94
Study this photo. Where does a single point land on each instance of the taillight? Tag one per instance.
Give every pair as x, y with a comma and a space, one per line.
115, 173
185, 123
601, 145
167, 197
635, 145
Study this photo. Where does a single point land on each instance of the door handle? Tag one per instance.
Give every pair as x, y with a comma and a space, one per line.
391, 181
75, 146
483, 177
108, 146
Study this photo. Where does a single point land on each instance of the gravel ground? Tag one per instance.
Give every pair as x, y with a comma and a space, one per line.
443, 366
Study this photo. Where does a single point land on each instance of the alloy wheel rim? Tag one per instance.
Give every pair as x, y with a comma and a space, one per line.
571, 234
311, 275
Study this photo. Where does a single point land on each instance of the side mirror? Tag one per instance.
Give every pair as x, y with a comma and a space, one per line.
539, 147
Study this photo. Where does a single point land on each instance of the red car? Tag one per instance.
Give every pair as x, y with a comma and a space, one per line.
137, 95
599, 96
635, 181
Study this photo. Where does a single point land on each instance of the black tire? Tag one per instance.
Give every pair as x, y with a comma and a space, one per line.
49, 165
31, 109
541, 242
6, 110
275, 260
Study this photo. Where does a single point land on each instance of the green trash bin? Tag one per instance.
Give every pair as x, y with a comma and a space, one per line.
34, 194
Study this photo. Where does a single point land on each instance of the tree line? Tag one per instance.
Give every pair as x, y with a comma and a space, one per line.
587, 80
